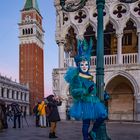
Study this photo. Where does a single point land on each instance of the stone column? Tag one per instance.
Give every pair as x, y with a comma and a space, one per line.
23, 94
119, 48
139, 47
61, 53
27, 97
5, 92
15, 95
10, 93
137, 110
19, 95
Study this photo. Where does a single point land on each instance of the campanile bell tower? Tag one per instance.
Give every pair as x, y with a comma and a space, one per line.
31, 51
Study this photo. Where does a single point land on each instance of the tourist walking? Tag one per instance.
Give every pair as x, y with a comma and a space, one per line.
42, 114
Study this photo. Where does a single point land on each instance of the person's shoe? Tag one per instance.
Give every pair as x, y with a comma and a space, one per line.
54, 136
50, 135
92, 135
14, 127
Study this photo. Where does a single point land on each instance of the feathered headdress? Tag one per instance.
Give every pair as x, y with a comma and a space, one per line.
83, 50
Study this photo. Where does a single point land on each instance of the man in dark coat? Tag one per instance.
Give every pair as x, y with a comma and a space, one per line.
53, 116
17, 114
3, 115
35, 111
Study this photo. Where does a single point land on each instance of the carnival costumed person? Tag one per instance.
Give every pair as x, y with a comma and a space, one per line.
86, 105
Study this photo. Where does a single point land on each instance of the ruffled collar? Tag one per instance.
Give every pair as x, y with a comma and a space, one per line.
90, 77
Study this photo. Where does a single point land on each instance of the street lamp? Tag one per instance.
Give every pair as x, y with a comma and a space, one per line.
74, 6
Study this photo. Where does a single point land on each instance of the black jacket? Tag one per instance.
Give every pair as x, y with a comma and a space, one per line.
54, 114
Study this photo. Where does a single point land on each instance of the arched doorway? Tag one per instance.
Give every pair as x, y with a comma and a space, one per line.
121, 105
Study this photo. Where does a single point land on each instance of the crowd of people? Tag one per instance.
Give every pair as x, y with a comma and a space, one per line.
11, 113
45, 111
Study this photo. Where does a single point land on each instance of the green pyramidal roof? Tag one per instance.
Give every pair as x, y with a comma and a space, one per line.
31, 4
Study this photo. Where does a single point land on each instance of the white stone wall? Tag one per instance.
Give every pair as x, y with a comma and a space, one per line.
131, 71
16, 89
89, 9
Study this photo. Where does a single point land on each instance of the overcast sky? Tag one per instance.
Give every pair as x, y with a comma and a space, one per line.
9, 42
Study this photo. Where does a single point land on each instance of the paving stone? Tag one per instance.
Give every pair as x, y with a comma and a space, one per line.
69, 130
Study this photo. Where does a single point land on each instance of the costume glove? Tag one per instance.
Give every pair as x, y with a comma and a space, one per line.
91, 88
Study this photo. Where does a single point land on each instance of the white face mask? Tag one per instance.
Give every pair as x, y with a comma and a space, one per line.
84, 66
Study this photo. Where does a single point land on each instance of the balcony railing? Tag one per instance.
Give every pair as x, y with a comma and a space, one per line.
130, 58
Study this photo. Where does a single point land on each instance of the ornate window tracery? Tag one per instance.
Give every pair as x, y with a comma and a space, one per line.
137, 9
65, 18
119, 11
81, 15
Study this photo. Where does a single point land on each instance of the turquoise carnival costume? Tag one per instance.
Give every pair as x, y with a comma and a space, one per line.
86, 105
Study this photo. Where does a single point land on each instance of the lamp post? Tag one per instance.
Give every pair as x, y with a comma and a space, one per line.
74, 6
100, 50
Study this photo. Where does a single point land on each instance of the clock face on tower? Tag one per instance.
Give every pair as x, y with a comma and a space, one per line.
27, 18
128, 1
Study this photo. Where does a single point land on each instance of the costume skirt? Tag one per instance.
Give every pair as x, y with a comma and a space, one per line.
87, 110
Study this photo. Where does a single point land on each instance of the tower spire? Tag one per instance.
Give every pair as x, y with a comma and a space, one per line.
31, 4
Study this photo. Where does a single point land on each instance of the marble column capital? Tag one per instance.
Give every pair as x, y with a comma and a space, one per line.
60, 42
138, 33
119, 35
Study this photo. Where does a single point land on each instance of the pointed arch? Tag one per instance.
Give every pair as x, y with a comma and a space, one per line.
127, 76
109, 35
90, 23
115, 24
71, 42
71, 26
135, 20
132, 20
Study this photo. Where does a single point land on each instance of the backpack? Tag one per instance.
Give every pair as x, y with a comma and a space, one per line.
35, 109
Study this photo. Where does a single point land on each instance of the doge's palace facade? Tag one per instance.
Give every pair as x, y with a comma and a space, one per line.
121, 53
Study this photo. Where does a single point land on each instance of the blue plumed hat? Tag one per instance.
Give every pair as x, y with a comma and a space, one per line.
83, 51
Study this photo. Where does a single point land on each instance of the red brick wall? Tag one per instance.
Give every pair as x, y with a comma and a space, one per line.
31, 71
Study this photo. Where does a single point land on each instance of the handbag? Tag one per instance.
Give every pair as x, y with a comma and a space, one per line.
48, 110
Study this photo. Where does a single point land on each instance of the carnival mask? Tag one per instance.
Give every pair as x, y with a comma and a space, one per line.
84, 66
